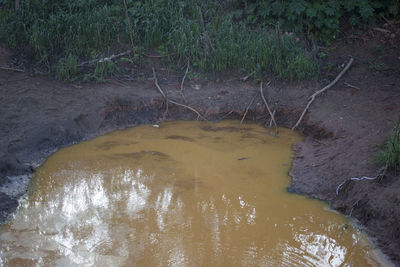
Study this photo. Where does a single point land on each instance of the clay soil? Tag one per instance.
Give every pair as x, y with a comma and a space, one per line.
343, 129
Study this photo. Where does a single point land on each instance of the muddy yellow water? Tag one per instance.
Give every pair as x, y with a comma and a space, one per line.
182, 194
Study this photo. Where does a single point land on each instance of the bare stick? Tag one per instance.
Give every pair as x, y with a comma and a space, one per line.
105, 59
226, 115
247, 76
312, 98
190, 108
248, 106
183, 80
172, 101
381, 30
270, 121
351, 86
160, 90
12, 69
269, 110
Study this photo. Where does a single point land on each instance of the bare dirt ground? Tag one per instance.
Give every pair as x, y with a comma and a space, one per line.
343, 129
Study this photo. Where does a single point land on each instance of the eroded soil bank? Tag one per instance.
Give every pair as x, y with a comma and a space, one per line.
344, 127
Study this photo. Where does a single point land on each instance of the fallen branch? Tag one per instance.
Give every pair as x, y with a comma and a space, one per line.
269, 110
12, 69
381, 173
105, 59
172, 101
248, 106
312, 98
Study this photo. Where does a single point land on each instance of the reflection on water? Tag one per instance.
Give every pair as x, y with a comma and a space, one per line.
184, 194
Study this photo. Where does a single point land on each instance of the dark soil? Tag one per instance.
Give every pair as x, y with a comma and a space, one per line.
344, 127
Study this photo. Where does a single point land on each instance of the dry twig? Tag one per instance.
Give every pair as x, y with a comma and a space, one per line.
351, 86
12, 69
248, 106
172, 101
105, 59
312, 98
269, 110
183, 80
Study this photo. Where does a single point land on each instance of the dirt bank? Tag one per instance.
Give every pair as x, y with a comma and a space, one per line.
344, 127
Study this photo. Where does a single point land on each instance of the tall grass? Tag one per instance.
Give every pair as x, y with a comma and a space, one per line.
391, 153
59, 33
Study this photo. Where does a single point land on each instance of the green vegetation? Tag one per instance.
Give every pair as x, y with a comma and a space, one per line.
391, 153
321, 18
213, 35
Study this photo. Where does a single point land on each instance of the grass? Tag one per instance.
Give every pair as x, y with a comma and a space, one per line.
59, 35
391, 153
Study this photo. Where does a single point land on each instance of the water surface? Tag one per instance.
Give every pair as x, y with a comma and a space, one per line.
183, 194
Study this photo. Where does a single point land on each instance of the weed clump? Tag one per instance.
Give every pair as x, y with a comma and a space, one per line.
390, 156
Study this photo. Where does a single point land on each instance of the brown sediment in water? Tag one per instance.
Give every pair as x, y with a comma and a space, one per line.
177, 203
344, 127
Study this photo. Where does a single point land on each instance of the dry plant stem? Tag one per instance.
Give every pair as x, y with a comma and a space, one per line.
351, 86
269, 110
270, 121
160, 90
381, 30
312, 98
205, 31
247, 76
105, 59
129, 23
172, 101
248, 107
12, 69
183, 80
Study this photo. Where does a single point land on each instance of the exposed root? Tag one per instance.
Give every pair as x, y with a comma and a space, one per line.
269, 110
380, 175
312, 98
172, 101
248, 106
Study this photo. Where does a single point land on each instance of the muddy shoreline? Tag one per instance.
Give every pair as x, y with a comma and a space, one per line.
342, 131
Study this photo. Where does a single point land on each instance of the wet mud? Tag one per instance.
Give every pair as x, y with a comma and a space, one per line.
343, 129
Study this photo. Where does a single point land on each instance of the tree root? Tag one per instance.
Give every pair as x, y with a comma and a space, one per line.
380, 175
312, 98
172, 101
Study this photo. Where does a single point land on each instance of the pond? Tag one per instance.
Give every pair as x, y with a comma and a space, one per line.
178, 194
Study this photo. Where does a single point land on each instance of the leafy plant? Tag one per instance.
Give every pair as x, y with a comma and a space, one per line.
391, 153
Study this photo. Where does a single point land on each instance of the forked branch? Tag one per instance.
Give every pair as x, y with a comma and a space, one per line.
269, 110
312, 98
